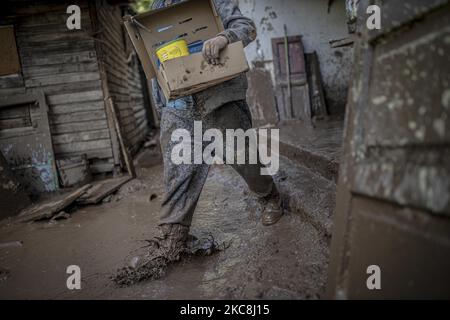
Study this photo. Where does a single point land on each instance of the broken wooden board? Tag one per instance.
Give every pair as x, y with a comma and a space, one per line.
316, 93
102, 189
49, 208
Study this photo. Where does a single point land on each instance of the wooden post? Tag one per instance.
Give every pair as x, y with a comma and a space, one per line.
288, 70
126, 155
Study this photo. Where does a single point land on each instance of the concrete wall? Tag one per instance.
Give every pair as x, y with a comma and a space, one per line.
310, 19
393, 195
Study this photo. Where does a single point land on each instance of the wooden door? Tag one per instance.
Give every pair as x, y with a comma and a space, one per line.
393, 199
25, 141
292, 94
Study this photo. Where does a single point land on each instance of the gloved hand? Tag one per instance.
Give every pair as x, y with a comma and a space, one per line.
212, 48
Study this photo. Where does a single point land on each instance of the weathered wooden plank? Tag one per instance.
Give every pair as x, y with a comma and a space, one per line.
78, 107
73, 57
84, 96
139, 113
61, 78
23, 30
118, 61
117, 76
109, 34
66, 88
102, 189
56, 48
80, 136
127, 121
104, 153
118, 73
134, 86
63, 68
136, 96
49, 19
119, 92
113, 23
47, 23
125, 109
78, 126
78, 117
48, 209
82, 146
118, 64
114, 60
53, 38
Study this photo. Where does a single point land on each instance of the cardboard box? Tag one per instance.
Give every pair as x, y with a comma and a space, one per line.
193, 20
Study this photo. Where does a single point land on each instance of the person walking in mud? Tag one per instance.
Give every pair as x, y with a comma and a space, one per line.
222, 107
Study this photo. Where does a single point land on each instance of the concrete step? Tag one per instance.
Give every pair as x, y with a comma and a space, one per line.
319, 163
307, 193
316, 147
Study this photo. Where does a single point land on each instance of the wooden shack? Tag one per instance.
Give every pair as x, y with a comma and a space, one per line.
78, 73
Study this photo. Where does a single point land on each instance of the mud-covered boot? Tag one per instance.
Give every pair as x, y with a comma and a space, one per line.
172, 243
168, 248
273, 208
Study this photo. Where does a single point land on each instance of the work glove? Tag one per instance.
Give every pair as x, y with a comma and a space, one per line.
212, 48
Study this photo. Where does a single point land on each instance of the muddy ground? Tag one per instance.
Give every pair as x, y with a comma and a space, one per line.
285, 261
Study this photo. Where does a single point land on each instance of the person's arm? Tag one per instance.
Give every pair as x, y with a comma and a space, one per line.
237, 28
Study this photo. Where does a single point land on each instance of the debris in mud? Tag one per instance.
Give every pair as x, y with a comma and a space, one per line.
206, 246
149, 267
4, 274
61, 215
11, 244
133, 186
153, 197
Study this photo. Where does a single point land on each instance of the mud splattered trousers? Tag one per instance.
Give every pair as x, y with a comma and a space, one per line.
184, 183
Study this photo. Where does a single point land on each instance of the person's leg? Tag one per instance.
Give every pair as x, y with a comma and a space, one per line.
183, 185
184, 182
236, 115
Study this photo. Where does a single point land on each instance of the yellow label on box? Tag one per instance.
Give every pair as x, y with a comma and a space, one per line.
173, 49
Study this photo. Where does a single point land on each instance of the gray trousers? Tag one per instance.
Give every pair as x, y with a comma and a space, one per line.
184, 183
